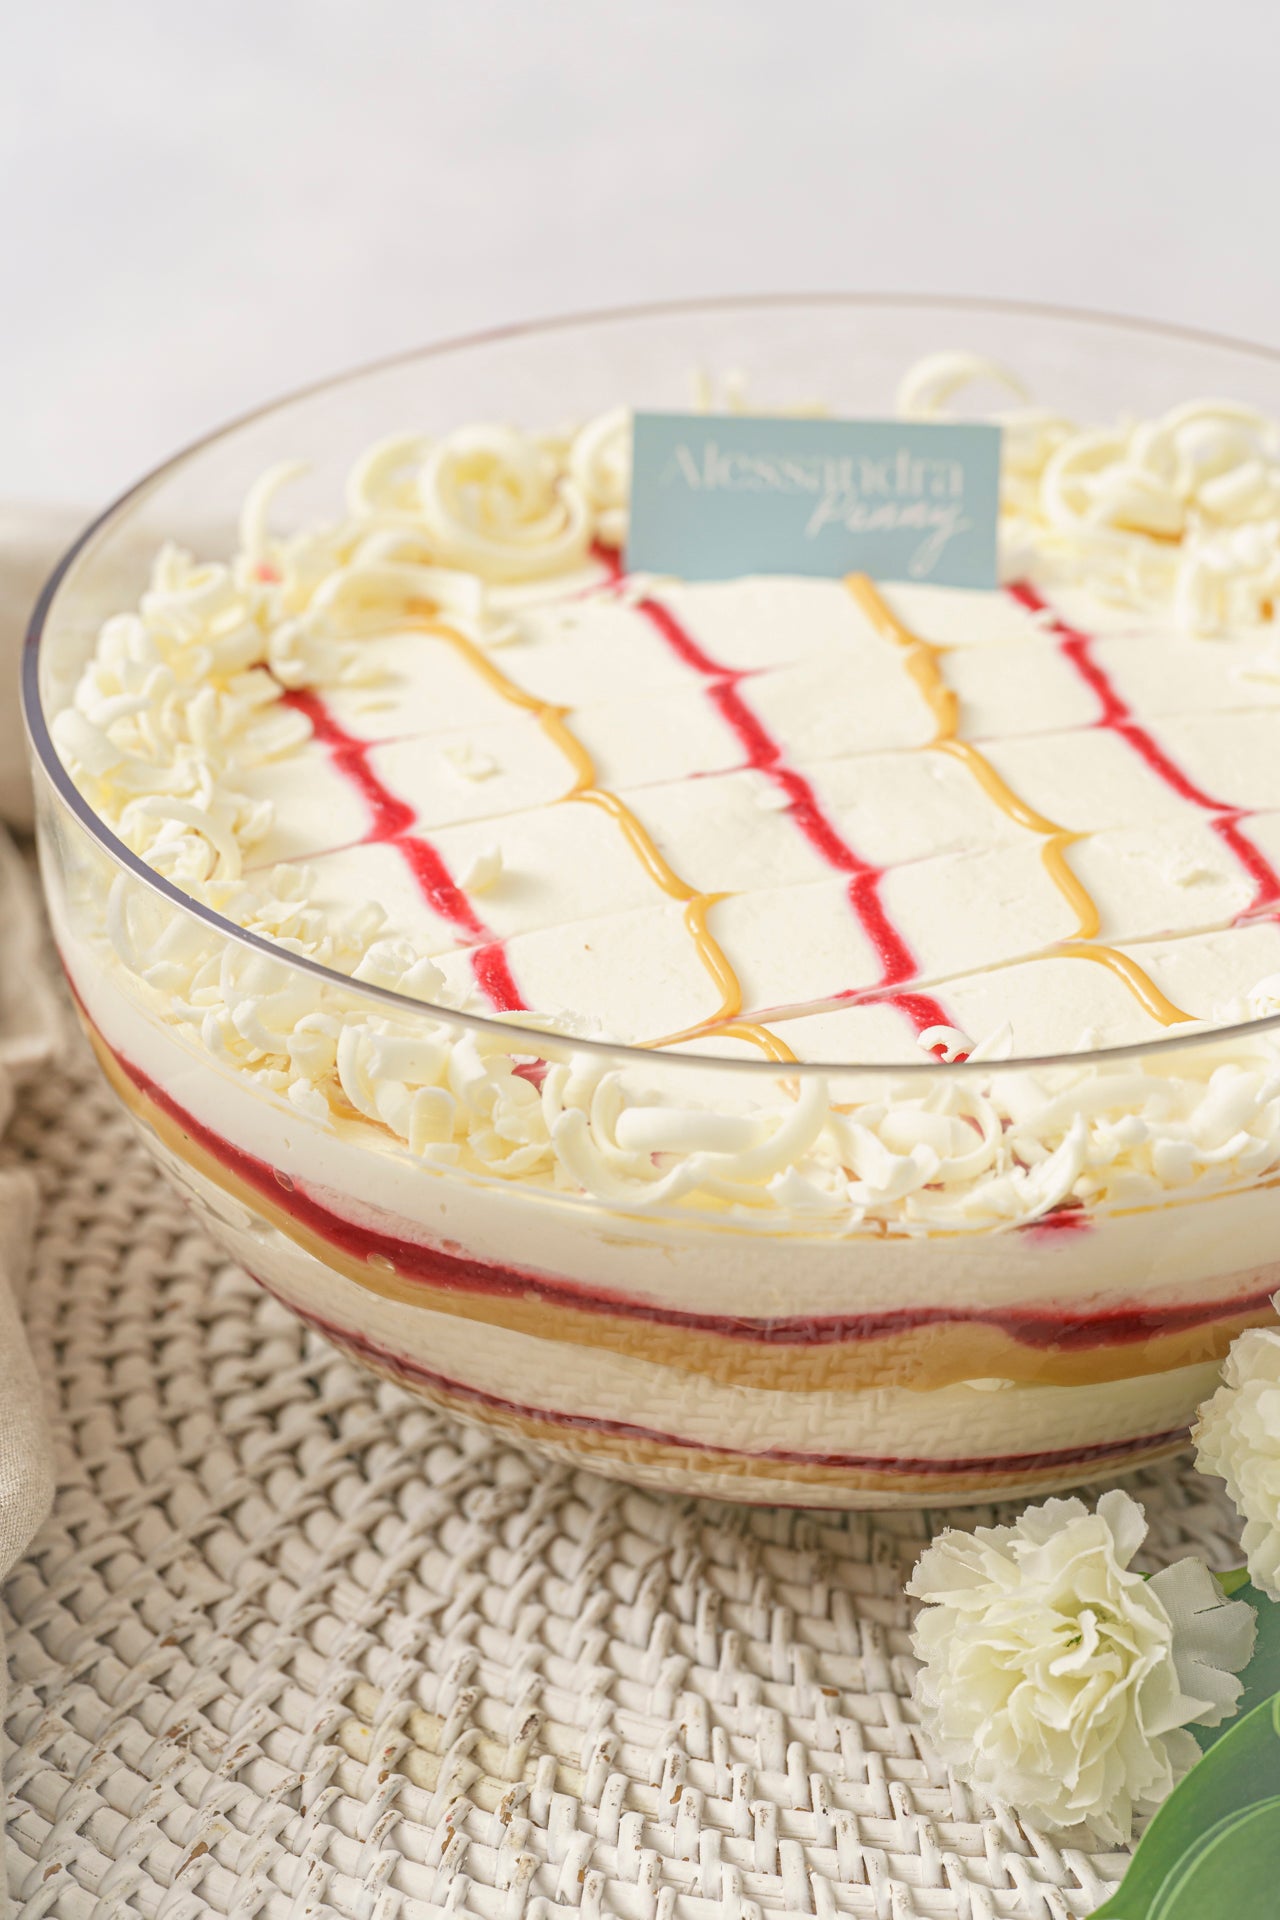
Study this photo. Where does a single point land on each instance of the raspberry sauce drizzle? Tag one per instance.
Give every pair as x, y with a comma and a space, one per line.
391, 821
1117, 717
765, 755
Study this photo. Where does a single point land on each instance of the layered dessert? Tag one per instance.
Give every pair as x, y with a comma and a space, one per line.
678, 1021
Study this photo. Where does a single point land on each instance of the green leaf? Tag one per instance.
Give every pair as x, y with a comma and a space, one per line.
1232, 1582
1235, 1870
1206, 1840
1262, 1675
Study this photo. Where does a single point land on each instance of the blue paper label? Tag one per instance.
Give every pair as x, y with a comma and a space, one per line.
714, 496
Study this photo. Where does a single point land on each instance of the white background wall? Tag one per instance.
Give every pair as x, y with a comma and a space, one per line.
202, 204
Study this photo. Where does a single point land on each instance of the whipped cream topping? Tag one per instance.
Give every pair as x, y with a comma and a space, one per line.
962, 826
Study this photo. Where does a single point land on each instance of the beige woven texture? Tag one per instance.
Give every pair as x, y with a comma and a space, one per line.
294, 1645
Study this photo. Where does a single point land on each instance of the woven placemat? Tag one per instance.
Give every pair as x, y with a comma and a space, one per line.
293, 1644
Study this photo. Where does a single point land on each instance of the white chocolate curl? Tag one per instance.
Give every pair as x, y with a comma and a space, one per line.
931, 382
600, 468
493, 501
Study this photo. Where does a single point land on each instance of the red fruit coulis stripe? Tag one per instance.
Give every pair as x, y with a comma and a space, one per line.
391, 823
765, 754
1117, 716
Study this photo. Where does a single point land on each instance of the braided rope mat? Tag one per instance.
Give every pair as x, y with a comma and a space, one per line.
295, 1645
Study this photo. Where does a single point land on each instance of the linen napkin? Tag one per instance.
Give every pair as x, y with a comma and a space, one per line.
28, 1035
31, 540
26, 1451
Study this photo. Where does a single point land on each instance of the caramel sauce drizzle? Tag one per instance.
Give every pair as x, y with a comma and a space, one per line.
1140, 984
751, 1031
769, 1043
642, 845
554, 721
922, 656
1070, 886
922, 663
993, 784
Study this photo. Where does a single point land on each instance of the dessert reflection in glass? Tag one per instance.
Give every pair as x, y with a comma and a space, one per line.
802, 1040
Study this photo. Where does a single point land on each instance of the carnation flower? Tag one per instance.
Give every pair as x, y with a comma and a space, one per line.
1056, 1678
1238, 1438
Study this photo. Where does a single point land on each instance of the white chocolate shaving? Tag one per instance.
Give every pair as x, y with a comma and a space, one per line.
470, 762
952, 1042
483, 872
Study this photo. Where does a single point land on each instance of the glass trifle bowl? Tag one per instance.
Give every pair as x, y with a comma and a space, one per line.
678, 1265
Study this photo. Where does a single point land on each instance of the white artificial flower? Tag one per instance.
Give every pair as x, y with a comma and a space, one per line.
1058, 1680
1237, 1437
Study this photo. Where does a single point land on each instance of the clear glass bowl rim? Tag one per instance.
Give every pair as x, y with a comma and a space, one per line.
510, 1032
